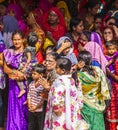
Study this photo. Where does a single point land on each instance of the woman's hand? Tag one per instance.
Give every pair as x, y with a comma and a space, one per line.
43, 82
17, 75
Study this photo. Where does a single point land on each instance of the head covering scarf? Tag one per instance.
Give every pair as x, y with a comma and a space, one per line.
97, 54
95, 37
61, 27
62, 39
71, 56
16, 9
18, 15
62, 4
44, 5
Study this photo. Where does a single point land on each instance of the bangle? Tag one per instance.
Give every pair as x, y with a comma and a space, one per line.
12, 72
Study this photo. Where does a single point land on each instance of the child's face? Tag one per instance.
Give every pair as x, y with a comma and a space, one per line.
66, 51
59, 71
80, 64
36, 75
111, 50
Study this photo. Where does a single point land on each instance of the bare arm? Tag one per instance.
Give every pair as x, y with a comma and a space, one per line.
28, 61
13, 73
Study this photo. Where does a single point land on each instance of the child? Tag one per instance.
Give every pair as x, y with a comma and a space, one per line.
28, 60
35, 101
111, 48
64, 100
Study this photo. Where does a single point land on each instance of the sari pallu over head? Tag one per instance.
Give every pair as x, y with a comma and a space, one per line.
95, 89
63, 5
97, 54
61, 27
18, 15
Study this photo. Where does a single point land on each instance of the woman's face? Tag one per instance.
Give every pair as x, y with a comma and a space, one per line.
50, 62
95, 9
17, 41
79, 28
53, 18
98, 23
111, 22
108, 34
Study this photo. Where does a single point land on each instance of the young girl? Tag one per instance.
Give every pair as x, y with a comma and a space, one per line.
64, 100
111, 48
28, 60
111, 115
95, 91
35, 101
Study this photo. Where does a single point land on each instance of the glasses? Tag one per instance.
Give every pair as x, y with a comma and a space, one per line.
49, 61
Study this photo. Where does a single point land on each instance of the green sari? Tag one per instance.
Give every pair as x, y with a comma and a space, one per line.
95, 92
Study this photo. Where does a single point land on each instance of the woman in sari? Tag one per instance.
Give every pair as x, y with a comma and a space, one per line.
95, 91
54, 23
111, 114
34, 25
98, 58
64, 9
15, 11
17, 114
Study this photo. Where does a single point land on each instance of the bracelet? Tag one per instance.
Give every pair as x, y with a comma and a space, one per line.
12, 72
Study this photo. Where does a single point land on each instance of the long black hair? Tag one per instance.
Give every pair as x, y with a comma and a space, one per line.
87, 58
65, 63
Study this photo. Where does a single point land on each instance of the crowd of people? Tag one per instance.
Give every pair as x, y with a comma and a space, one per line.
59, 65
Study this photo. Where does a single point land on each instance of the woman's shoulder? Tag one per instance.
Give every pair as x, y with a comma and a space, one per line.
11, 50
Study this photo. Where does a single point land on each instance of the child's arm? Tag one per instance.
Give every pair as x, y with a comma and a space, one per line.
33, 108
28, 61
110, 62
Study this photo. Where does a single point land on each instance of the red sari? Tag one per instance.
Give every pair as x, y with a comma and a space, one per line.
61, 29
111, 114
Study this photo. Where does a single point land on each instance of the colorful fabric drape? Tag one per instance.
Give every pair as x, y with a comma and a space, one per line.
17, 114
61, 29
95, 92
97, 54
63, 5
36, 16
18, 15
111, 115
